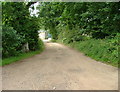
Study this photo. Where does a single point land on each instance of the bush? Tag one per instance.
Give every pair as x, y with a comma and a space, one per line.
102, 50
69, 36
41, 45
53, 40
32, 34
11, 42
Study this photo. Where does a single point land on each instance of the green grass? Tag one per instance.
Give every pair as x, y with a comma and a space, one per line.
53, 40
10, 60
101, 50
22, 56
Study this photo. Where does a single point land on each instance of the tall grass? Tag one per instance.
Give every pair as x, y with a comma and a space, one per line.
100, 50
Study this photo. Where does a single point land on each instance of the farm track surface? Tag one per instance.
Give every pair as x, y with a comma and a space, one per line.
59, 68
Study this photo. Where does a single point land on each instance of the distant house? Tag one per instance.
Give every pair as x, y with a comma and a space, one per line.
42, 34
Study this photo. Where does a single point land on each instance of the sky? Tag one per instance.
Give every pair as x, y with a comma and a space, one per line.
35, 11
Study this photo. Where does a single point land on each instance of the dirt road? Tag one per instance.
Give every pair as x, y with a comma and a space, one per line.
59, 67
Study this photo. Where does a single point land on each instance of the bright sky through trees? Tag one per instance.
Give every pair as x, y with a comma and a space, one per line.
34, 11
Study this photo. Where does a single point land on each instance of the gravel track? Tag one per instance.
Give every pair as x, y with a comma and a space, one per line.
59, 68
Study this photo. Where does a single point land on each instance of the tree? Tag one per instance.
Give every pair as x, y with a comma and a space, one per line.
17, 16
98, 20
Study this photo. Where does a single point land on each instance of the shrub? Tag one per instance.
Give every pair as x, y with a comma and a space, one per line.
105, 50
40, 45
11, 42
53, 40
69, 36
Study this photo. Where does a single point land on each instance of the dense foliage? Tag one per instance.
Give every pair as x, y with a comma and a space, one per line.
82, 23
88, 26
102, 50
11, 41
21, 56
94, 19
25, 28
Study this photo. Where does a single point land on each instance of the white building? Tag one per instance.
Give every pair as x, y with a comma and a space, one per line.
42, 34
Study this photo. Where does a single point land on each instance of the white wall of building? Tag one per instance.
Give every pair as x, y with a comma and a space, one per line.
42, 35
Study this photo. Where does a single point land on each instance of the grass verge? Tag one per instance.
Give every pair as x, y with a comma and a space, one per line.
22, 56
100, 50
53, 40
